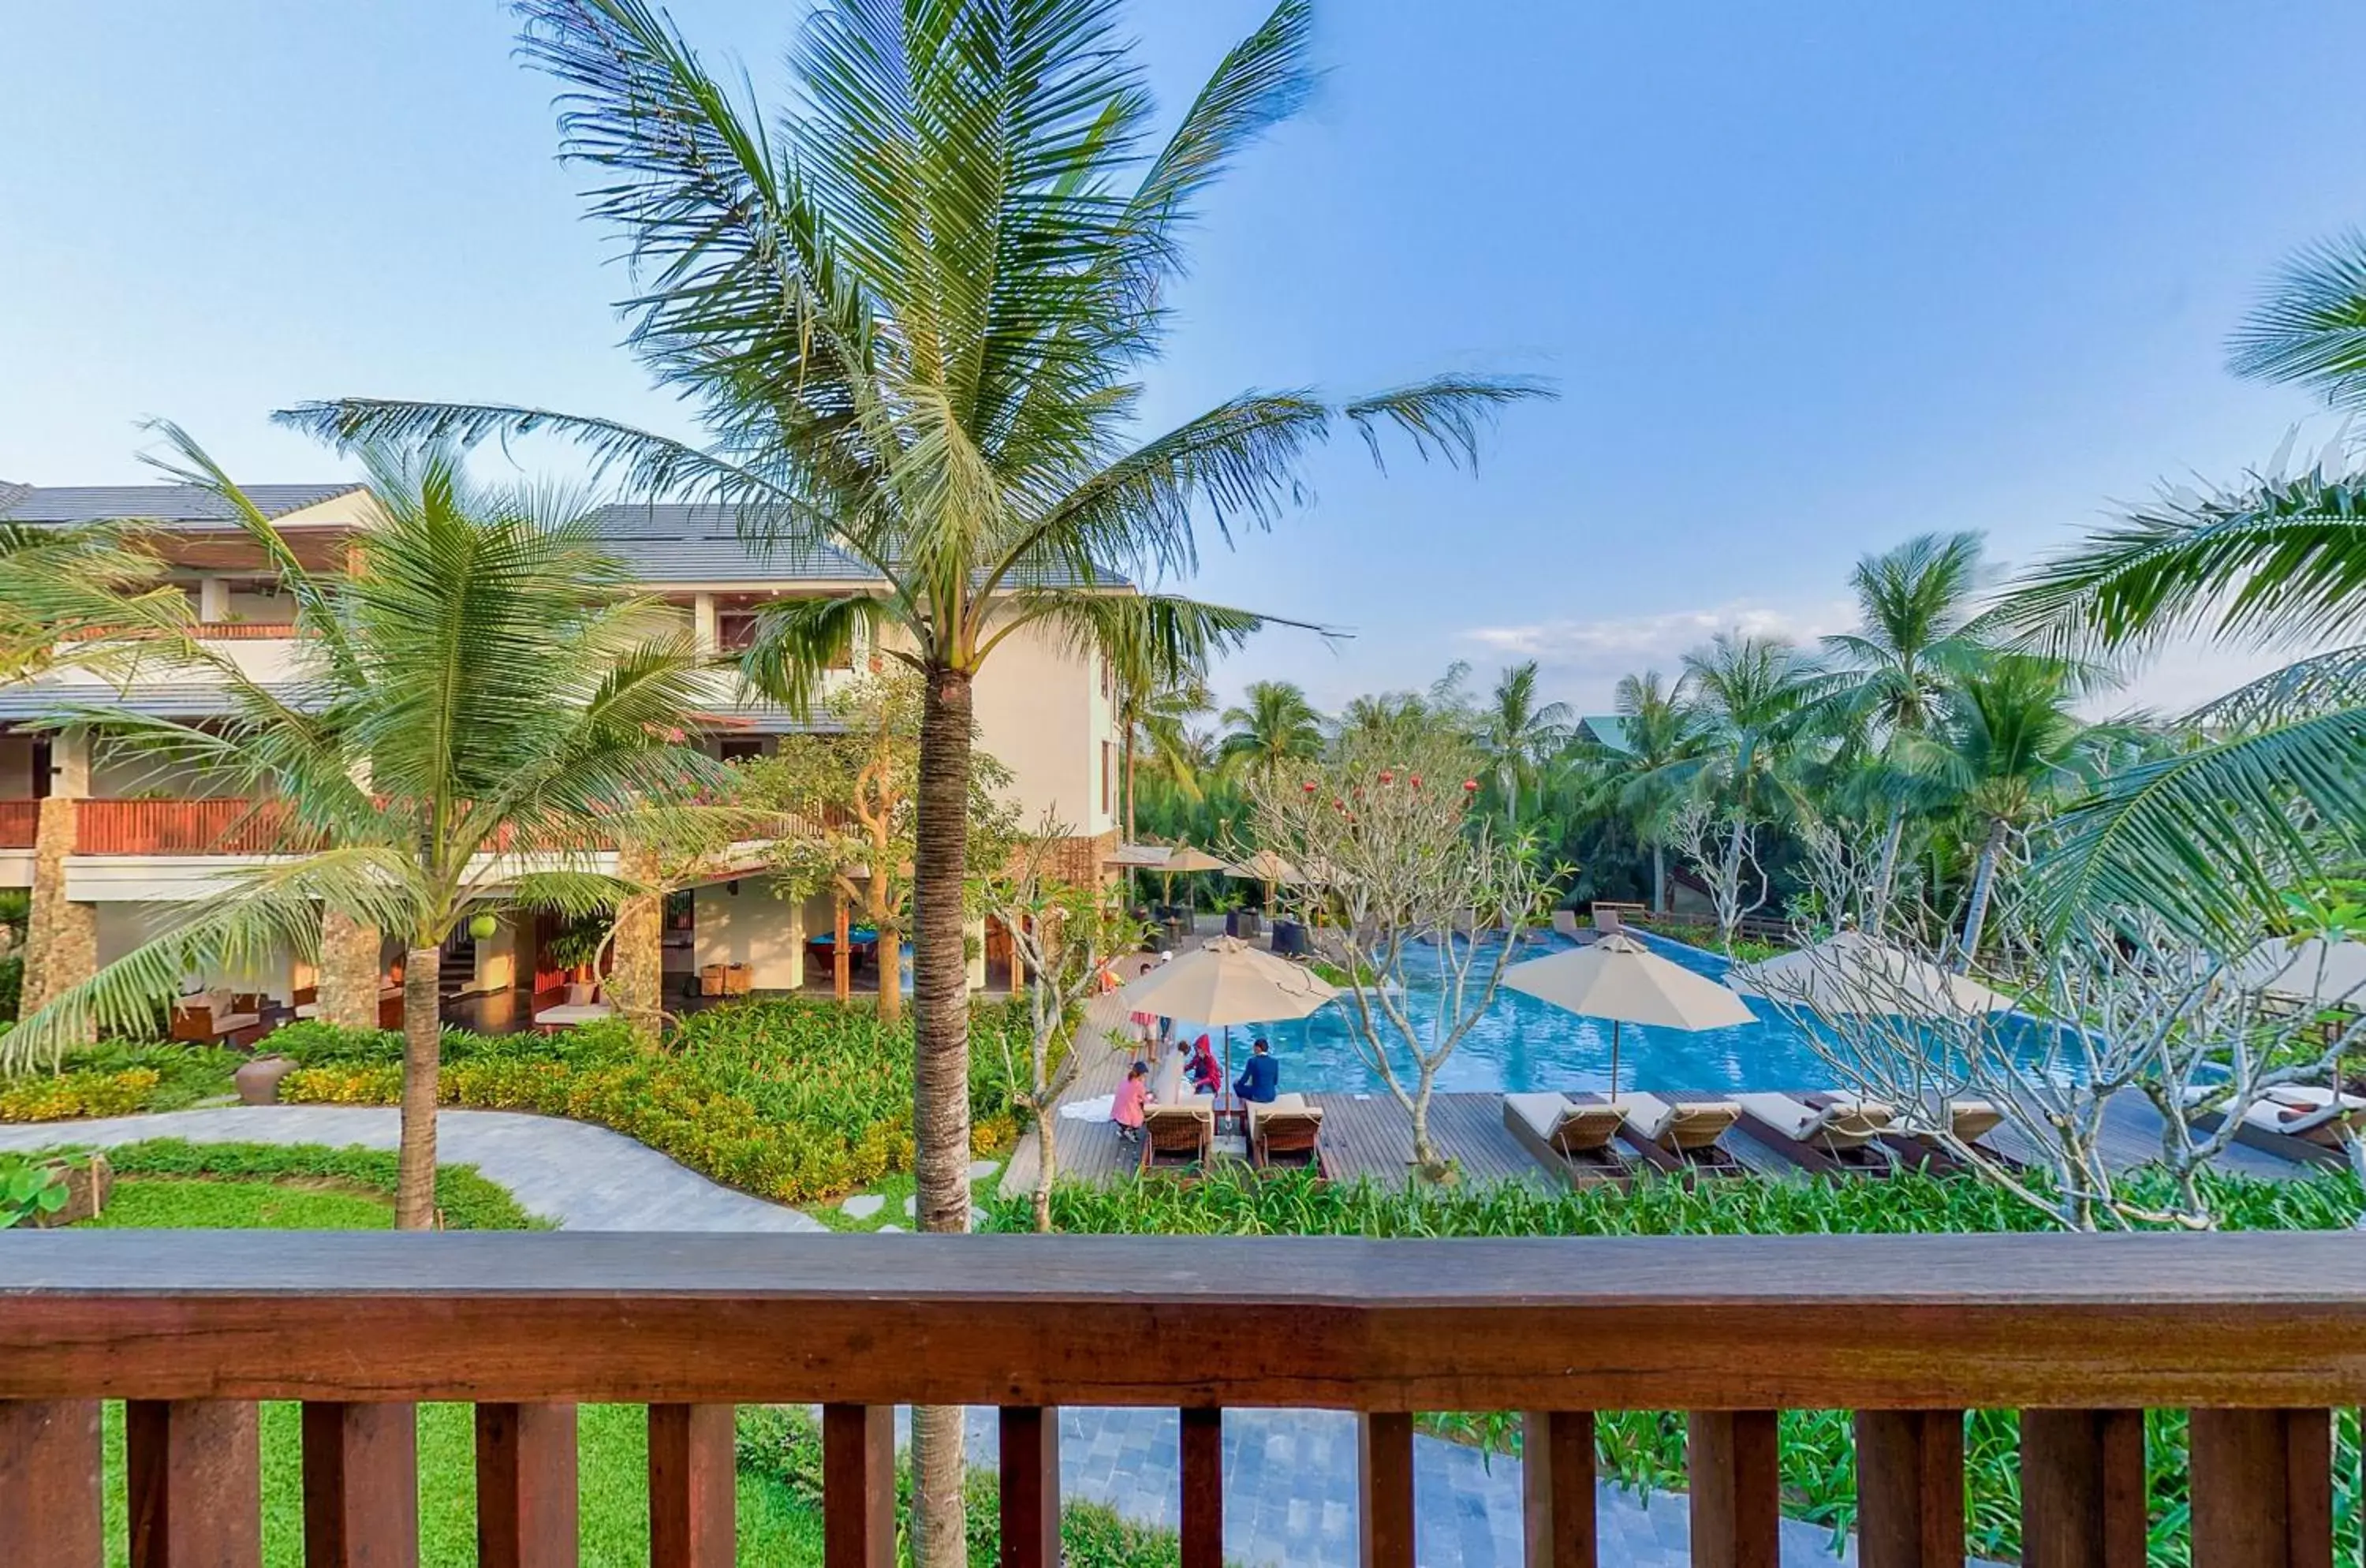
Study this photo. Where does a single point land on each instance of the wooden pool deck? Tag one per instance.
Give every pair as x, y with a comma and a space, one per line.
1369, 1136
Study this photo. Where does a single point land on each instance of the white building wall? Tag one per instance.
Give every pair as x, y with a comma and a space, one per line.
752, 927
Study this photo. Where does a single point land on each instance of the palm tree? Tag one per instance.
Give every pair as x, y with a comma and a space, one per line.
61, 583
1275, 724
1520, 735
484, 679
1638, 780
2212, 836
1917, 637
1751, 697
2007, 749
912, 314
1154, 719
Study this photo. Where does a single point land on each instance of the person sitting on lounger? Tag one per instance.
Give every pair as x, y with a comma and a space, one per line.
1132, 1097
1260, 1080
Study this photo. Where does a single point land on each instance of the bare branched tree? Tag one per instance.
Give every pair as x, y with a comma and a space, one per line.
1064, 937
2130, 1007
1398, 881
1722, 849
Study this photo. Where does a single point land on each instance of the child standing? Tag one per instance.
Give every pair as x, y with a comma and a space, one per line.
1131, 1095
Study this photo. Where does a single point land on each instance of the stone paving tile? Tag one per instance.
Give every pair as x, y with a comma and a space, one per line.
582, 1177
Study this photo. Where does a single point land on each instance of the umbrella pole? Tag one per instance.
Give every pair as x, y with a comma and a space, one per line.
1226, 1086
1614, 1058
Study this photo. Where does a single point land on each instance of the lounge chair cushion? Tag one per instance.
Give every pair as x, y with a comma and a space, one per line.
1648, 1116
1972, 1119
1795, 1118
1541, 1112
1291, 1105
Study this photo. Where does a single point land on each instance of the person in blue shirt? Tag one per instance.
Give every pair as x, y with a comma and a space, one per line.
1261, 1078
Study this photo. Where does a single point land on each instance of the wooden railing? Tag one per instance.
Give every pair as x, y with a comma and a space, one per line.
233, 827
2258, 1335
20, 824
204, 631
227, 827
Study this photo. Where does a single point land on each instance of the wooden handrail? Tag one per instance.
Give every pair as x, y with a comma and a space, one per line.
2260, 1334
221, 827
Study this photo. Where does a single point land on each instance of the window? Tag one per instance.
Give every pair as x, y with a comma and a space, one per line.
1109, 774
739, 749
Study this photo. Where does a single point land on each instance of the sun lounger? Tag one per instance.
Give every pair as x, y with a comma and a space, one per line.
1971, 1121
1286, 1133
1838, 1135
1679, 1136
1564, 922
1178, 1135
2314, 1115
1578, 1142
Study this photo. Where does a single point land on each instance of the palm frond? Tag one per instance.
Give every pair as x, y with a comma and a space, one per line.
1446, 416
2304, 688
1171, 636
797, 642
2310, 325
2207, 840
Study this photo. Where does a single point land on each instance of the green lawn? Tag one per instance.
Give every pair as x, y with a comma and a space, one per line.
174, 1203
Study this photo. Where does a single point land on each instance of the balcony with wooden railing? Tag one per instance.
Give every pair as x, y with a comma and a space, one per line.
20, 824
238, 826
2258, 1335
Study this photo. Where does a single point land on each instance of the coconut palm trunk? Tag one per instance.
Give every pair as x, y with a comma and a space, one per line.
1983, 883
422, 1047
1885, 876
1659, 877
941, 1064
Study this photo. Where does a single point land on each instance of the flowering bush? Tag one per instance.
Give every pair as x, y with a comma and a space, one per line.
47, 1096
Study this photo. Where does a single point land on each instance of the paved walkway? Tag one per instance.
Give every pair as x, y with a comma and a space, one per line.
583, 1177
1290, 1492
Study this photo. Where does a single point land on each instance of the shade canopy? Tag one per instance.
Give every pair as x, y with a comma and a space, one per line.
1183, 858
1226, 981
1856, 974
1620, 979
1265, 866
2311, 970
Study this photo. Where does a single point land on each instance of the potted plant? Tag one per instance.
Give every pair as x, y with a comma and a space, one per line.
575, 948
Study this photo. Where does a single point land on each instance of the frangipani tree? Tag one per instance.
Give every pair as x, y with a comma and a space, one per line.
1401, 880
484, 713
1064, 936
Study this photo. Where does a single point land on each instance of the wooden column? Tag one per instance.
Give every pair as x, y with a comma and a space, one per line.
2264, 1488
1910, 1486
361, 1486
1030, 1486
693, 1487
2082, 1489
1204, 1488
1557, 1484
842, 954
1385, 1489
49, 1455
525, 1486
857, 1486
194, 1471
1736, 1489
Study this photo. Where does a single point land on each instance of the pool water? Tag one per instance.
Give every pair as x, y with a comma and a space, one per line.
1521, 1043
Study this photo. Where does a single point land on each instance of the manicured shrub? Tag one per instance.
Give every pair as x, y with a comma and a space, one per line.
466, 1199
58, 1097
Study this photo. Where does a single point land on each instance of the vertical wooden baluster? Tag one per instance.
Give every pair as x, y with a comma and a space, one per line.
50, 1454
1736, 1489
694, 1495
193, 1480
525, 1486
1909, 1488
1204, 1488
1030, 1486
2082, 1489
2262, 1489
361, 1486
1557, 1476
1385, 1489
857, 1486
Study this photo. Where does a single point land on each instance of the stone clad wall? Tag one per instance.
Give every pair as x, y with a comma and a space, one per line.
61, 938
349, 972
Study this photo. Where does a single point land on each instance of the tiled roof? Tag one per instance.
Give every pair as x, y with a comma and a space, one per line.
1608, 730
38, 699
177, 504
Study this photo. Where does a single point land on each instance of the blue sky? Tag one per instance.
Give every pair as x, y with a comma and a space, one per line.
1812, 277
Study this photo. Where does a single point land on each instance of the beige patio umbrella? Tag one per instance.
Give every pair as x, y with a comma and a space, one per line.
1266, 868
2325, 973
1180, 860
1620, 979
1223, 981
1853, 973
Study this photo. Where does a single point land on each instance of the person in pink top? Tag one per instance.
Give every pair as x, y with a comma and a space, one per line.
1131, 1096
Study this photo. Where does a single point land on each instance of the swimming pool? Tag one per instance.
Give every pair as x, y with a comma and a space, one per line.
1522, 1044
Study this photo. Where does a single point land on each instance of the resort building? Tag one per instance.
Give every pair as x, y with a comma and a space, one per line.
113, 847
